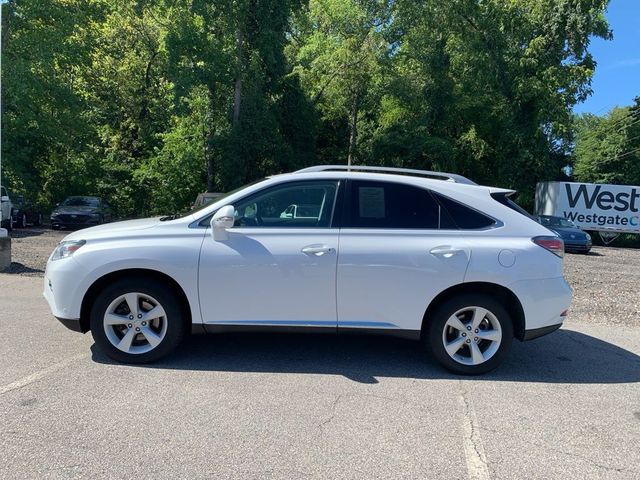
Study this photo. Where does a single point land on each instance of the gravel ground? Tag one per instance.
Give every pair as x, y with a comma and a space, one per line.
30, 249
605, 286
605, 282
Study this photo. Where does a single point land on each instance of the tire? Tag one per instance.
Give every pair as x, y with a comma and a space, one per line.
55, 227
129, 337
477, 331
23, 221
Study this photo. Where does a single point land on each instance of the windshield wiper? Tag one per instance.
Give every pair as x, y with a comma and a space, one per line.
169, 217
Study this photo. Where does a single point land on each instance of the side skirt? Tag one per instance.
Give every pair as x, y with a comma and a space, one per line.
392, 332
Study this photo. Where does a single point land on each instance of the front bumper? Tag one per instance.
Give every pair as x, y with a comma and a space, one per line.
63, 287
68, 224
72, 324
578, 247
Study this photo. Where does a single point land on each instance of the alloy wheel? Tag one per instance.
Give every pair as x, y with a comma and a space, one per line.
135, 323
472, 335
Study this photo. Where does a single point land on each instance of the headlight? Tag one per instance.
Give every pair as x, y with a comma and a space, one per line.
66, 249
588, 236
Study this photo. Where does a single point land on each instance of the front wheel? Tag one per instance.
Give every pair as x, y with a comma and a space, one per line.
470, 334
137, 321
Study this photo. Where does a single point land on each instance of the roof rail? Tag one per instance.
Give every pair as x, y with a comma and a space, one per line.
450, 177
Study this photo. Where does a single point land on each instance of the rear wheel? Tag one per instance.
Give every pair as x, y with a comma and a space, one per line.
137, 321
23, 220
470, 334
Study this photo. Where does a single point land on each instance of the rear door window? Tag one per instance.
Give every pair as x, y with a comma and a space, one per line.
392, 206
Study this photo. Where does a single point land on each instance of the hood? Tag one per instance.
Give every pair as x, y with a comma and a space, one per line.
116, 229
77, 209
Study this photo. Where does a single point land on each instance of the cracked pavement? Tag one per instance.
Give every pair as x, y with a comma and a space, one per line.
268, 406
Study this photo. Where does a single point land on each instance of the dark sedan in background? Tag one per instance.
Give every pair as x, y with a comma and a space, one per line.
26, 212
80, 212
575, 240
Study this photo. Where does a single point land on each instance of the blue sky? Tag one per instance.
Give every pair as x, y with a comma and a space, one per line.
617, 77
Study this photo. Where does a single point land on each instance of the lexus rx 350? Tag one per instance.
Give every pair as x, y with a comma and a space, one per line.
426, 255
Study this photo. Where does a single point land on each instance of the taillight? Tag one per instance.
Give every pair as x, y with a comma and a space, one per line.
554, 244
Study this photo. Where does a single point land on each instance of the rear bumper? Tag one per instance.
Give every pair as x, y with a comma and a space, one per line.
539, 332
543, 303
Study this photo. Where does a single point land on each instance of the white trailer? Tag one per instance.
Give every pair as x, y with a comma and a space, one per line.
607, 209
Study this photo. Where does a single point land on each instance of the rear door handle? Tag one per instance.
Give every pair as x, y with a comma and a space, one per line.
446, 251
318, 250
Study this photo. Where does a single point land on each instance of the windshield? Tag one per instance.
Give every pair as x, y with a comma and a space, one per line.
556, 222
81, 202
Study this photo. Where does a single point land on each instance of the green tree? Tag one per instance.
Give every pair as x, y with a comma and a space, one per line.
44, 118
486, 88
607, 148
338, 53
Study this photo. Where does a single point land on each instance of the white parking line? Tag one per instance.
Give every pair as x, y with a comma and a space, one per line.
34, 377
473, 449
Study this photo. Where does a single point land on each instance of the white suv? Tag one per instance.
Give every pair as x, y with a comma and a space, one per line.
6, 210
425, 255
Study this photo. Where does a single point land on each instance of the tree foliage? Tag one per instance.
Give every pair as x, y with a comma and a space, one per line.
148, 102
608, 148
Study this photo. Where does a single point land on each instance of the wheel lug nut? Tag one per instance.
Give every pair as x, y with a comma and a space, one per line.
130, 317
137, 329
464, 334
129, 325
468, 328
139, 315
468, 341
476, 330
144, 324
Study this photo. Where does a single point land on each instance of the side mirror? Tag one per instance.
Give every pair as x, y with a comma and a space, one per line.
221, 220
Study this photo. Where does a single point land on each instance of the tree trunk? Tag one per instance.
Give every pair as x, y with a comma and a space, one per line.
209, 150
237, 90
354, 129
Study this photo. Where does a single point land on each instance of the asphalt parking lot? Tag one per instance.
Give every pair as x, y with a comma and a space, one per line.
289, 406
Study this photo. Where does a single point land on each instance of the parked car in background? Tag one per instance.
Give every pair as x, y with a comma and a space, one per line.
80, 212
26, 213
205, 199
575, 240
423, 255
7, 209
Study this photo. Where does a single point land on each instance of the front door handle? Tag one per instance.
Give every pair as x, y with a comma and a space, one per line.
318, 250
446, 251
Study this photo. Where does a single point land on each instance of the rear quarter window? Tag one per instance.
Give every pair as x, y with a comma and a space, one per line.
461, 216
504, 199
